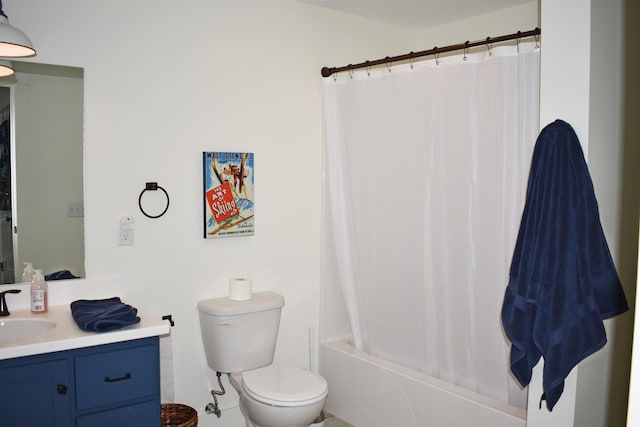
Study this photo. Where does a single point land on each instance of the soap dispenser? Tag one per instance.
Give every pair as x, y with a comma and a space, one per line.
27, 274
39, 293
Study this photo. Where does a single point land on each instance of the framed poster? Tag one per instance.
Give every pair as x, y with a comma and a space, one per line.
228, 194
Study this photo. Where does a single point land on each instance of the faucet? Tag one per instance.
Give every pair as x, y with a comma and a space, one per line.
4, 310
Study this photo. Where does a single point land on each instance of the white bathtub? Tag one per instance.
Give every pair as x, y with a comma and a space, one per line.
367, 391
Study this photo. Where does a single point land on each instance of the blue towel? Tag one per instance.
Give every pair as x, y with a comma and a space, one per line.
103, 315
60, 275
562, 282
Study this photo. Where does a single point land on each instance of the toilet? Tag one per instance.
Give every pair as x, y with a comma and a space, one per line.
239, 339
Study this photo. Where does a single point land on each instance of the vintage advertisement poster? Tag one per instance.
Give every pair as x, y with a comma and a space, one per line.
228, 194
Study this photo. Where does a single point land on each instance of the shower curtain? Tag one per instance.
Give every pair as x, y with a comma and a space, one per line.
425, 174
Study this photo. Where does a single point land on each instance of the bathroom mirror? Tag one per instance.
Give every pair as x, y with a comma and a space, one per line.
41, 171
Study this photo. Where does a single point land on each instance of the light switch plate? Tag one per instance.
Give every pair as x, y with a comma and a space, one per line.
75, 210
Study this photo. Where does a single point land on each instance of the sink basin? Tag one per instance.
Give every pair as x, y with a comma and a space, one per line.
23, 327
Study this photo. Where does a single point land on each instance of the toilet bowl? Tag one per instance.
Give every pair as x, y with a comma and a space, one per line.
280, 396
239, 339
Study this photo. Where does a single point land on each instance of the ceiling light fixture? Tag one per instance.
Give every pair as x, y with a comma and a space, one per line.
6, 69
13, 42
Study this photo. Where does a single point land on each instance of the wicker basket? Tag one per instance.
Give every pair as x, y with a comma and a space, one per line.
178, 415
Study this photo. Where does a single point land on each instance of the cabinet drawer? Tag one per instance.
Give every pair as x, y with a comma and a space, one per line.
142, 414
116, 376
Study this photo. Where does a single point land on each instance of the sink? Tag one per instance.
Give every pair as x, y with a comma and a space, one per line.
23, 327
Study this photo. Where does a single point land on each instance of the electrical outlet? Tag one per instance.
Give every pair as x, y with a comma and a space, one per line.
125, 233
126, 237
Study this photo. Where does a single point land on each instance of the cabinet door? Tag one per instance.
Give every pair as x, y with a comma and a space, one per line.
35, 395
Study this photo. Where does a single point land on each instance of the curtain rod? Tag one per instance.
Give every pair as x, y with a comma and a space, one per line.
326, 71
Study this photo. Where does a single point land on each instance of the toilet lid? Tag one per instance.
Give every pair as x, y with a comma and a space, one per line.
283, 385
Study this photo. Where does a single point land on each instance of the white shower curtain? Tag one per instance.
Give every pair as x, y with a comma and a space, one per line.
425, 176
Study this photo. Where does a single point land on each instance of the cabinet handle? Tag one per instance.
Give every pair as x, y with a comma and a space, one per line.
62, 389
127, 376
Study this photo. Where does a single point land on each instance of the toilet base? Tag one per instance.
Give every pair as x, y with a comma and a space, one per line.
269, 416
258, 414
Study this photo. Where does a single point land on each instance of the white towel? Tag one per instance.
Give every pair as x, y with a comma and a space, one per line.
166, 369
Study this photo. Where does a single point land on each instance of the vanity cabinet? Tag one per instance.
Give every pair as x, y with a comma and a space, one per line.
107, 385
29, 396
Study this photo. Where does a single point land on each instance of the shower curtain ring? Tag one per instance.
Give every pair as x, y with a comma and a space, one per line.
411, 59
489, 46
518, 42
466, 50
388, 64
436, 54
537, 38
368, 68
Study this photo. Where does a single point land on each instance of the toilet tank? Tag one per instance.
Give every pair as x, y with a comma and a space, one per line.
240, 335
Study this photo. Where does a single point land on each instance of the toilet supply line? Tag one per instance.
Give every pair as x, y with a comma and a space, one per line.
212, 408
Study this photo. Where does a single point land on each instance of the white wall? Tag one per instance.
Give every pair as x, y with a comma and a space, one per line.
598, 405
564, 93
166, 80
582, 82
613, 158
633, 418
524, 17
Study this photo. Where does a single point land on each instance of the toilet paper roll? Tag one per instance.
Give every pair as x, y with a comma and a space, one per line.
239, 289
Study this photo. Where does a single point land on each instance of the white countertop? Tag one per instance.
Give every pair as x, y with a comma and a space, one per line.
67, 335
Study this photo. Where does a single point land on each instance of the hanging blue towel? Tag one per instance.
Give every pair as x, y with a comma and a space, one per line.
562, 282
103, 315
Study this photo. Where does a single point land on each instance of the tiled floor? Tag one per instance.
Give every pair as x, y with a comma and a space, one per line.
331, 421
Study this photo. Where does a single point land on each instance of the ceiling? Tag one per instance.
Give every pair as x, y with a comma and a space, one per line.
416, 13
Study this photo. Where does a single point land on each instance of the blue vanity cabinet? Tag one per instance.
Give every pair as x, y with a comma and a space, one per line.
107, 385
35, 393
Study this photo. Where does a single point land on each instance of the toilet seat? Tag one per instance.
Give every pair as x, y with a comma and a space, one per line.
282, 385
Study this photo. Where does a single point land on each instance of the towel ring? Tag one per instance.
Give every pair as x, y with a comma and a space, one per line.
153, 186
